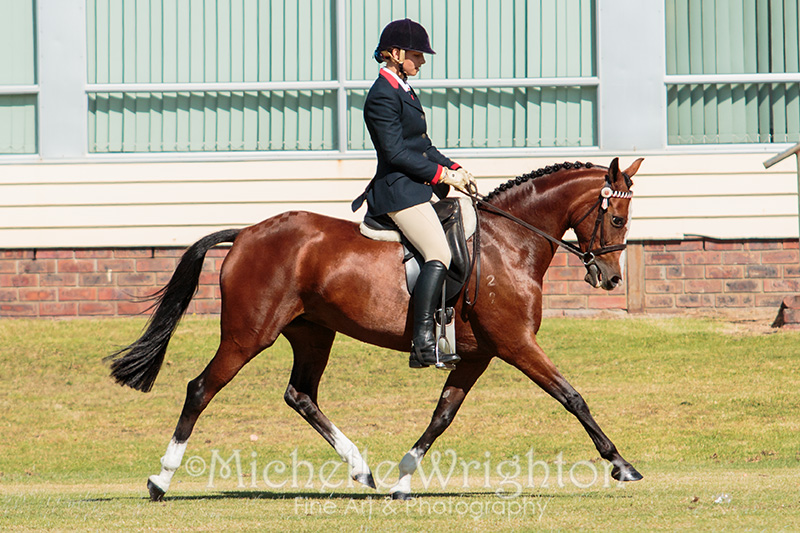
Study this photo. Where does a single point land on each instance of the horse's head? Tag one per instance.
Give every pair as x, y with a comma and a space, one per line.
602, 226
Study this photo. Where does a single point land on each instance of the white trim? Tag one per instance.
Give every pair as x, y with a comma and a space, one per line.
731, 79
62, 109
18, 89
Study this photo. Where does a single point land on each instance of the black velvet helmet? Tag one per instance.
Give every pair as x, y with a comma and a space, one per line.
406, 35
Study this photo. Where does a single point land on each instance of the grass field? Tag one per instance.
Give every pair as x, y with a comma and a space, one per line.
706, 410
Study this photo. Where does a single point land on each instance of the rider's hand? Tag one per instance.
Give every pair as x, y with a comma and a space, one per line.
471, 183
457, 178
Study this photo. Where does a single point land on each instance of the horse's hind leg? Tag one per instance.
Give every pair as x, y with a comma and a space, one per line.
535, 364
311, 344
458, 384
227, 362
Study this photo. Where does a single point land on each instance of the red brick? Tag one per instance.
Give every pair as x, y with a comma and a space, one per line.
162, 278
549, 287
763, 271
559, 259
73, 294
663, 259
702, 258
168, 252
743, 285
204, 292
660, 301
763, 245
21, 280
16, 254
655, 272
663, 287
54, 309
37, 267
55, 254
791, 316
702, 286
8, 295
212, 278
219, 262
95, 308
783, 256
791, 245
18, 310
133, 253
555, 274
58, 280
136, 279
574, 261
116, 294
735, 300
695, 300
685, 272
36, 295
768, 300
608, 302
726, 272
723, 245
116, 265
8, 267
567, 302
132, 308
782, 285
741, 258
76, 266
89, 280
792, 271
155, 265
93, 254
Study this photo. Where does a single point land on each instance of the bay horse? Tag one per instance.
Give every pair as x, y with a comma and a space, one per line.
308, 276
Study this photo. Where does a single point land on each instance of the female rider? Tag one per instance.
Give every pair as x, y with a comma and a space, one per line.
410, 170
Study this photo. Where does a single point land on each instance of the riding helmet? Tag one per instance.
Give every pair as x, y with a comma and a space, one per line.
406, 35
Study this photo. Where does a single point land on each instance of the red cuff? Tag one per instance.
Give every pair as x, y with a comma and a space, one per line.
438, 175
455, 166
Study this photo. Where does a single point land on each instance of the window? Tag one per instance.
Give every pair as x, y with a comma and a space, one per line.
239, 75
733, 71
18, 88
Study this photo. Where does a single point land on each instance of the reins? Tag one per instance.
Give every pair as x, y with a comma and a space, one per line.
588, 257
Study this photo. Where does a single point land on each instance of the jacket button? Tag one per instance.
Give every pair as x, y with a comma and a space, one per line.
424, 135
422, 116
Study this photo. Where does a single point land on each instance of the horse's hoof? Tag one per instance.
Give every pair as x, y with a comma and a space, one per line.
628, 473
366, 479
156, 494
404, 496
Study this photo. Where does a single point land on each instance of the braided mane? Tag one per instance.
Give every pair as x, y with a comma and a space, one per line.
535, 174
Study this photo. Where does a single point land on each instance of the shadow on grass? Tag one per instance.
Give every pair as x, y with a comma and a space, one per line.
266, 495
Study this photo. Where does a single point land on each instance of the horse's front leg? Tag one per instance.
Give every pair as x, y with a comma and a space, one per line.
535, 364
458, 384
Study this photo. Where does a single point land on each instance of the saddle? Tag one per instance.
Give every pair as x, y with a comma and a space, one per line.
458, 219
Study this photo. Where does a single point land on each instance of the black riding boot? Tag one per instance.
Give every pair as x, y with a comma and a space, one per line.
427, 293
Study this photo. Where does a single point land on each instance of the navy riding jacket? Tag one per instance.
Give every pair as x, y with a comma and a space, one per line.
409, 166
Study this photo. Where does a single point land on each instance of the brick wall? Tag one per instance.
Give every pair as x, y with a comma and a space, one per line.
104, 282
746, 279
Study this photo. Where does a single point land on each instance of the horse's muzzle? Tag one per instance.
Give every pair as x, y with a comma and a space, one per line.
599, 277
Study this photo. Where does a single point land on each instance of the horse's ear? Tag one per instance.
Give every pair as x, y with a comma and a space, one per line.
613, 171
634, 167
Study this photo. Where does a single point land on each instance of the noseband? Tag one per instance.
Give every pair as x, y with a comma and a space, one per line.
588, 257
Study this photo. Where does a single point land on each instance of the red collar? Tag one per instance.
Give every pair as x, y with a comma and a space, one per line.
392, 80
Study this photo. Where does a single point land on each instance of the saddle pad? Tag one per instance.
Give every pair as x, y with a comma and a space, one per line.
468, 216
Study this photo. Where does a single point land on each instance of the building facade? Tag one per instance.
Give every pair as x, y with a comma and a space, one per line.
130, 128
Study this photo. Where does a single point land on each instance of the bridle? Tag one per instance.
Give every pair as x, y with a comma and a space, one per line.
588, 257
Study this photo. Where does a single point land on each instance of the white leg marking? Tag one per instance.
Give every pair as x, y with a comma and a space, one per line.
349, 453
169, 464
408, 465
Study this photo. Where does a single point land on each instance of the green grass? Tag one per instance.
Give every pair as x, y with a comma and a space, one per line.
707, 411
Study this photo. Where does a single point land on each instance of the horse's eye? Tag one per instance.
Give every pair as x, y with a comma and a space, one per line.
617, 222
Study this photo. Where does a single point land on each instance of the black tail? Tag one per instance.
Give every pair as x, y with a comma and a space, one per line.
138, 364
